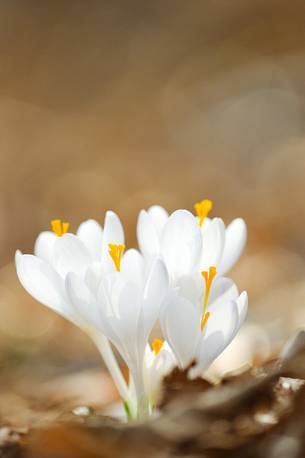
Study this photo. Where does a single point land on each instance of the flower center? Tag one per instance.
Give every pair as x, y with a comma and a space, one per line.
116, 252
157, 345
59, 228
202, 209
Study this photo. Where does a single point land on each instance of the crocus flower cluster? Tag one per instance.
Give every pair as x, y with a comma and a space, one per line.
117, 296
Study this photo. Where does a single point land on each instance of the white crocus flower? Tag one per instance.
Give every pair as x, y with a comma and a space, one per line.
58, 255
178, 244
199, 325
124, 305
176, 237
159, 361
118, 297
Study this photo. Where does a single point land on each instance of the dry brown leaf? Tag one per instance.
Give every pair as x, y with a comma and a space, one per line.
258, 414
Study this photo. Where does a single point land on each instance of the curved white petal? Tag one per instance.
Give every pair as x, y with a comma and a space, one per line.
148, 238
133, 267
209, 349
93, 277
104, 301
109, 312
220, 330
41, 281
70, 255
159, 217
155, 291
213, 239
191, 287
242, 304
224, 319
180, 323
113, 233
156, 367
120, 313
113, 229
223, 289
44, 246
110, 284
83, 301
235, 240
109, 329
181, 243
90, 233
206, 223
164, 361
129, 308
122, 304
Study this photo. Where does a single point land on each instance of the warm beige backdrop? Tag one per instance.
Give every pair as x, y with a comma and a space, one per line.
122, 104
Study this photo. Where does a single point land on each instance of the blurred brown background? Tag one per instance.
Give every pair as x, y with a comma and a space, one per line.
122, 104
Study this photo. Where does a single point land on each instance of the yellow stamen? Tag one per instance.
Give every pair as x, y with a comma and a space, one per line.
208, 278
157, 345
116, 252
204, 320
202, 209
59, 228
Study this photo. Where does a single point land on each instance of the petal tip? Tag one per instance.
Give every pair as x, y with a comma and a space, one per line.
18, 256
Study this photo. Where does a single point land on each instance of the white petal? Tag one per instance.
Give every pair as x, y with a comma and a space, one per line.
44, 245
109, 314
222, 290
42, 282
132, 267
223, 319
180, 323
91, 234
164, 361
159, 217
122, 303
191, 287
208, 350
160, 366
113, 233
121, 318
70, 255
147, 235
83, 301
149, 357
103, 299
235, 240
129, 305
93, 277
109, 284
206, 223
181, 243
220, 330
213, 238
155, 291
242, 304
108, 328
